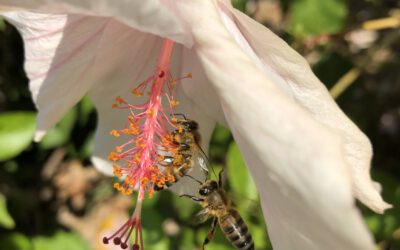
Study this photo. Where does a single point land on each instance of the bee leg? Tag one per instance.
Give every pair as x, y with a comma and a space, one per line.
194, 198
220, 178
210, 233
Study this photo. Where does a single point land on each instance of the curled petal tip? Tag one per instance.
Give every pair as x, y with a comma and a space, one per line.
382, 207
377, 205
39, 135
102, 165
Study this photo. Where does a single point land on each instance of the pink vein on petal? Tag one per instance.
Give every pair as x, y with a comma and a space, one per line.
71, 25
69, 55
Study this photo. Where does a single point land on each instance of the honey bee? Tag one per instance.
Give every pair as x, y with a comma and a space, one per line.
217, 205
186, 139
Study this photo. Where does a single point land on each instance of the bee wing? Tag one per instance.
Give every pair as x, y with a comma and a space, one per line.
202, 217
241, 202
200, 159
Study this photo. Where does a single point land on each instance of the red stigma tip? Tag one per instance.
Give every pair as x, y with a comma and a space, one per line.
117, 241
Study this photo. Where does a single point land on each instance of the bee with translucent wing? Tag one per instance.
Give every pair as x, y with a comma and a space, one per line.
188, 154
217, 205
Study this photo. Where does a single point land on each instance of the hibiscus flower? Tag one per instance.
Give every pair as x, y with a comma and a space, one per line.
308, 160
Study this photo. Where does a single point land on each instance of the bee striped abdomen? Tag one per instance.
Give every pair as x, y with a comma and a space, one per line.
236, 231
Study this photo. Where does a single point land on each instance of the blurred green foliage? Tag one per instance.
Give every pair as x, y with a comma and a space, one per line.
316, 17
6, 220
29, 222
16, 133
60, 240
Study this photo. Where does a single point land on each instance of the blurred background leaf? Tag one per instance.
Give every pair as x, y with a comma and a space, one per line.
60, 134
16, 133
60, 241
6, 220
238, 176
315, 17
15, 241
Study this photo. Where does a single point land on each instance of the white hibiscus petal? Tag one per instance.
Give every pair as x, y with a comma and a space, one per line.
296, 162
294, 75
148, 16
59, 53
200, 88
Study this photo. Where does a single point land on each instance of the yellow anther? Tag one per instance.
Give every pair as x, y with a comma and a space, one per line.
171, 178
189, 75
118, 149
113, 156
153, 178
150, 113
129, 191
117, 171
174, 103
136, 92
151, 193
133, 129
137, 158
130, 181
160, 183
178, 159
115, 133
120, 100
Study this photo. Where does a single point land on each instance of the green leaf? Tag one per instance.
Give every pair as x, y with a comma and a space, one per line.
186, 207
16, 133
60, 241
85, 107
15, 241
219, 144
260, 237
88, 146
153, 235
2, 25
384, 225
239, 178
315, 17
61, 132
239, 4
6, 220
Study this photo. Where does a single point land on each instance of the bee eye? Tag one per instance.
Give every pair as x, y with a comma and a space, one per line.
203, 191
192, 125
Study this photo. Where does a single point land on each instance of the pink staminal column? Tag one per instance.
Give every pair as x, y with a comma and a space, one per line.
137, 160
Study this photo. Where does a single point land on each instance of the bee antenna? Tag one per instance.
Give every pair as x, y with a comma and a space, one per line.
184, 117
191, 177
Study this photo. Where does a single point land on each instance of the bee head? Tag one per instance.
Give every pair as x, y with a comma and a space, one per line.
189, 125
208, 188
